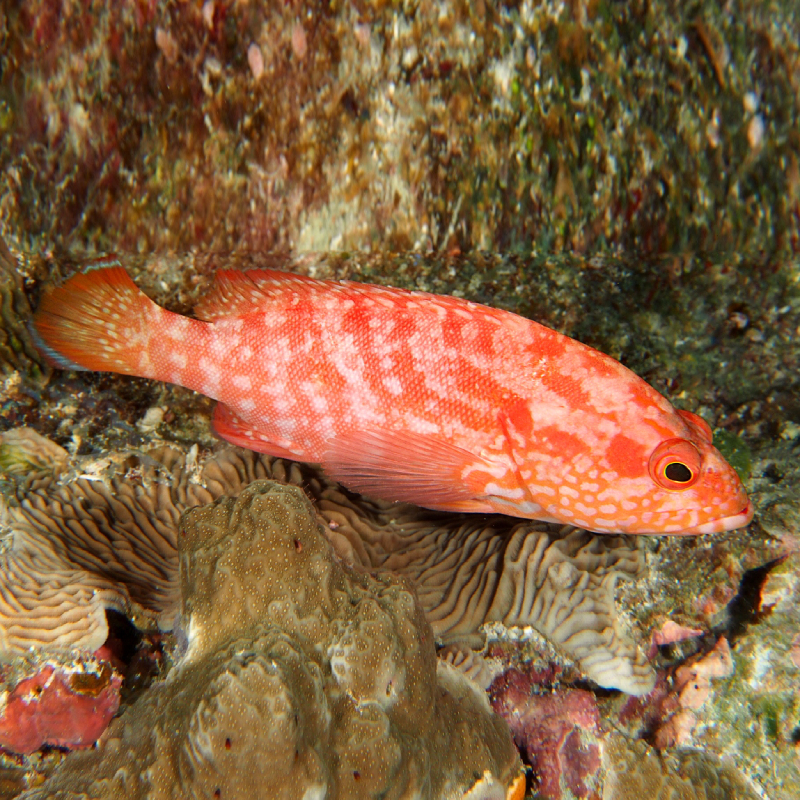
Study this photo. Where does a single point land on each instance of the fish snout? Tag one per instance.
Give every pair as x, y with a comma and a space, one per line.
724, 524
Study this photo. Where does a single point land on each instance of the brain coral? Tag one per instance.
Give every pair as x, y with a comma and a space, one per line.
111, 542
302, 678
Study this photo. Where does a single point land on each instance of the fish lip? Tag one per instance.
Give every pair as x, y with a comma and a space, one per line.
724, 524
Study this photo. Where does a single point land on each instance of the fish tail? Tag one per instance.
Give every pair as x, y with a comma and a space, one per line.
97, 320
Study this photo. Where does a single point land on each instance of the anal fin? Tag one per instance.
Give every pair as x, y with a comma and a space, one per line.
236, 431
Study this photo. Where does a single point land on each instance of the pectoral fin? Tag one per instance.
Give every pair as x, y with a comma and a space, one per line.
405, 467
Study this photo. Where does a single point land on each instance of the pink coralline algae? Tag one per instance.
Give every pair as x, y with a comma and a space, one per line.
668, 713
59, 707
558, 734
669, 633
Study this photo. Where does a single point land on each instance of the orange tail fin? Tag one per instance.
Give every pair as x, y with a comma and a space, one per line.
97, 320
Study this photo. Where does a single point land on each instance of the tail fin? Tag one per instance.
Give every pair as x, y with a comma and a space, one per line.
97, 320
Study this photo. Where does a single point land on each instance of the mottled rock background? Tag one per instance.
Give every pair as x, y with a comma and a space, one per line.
625, 172
530, 126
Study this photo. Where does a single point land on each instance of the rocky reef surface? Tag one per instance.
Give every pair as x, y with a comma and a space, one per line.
653, 126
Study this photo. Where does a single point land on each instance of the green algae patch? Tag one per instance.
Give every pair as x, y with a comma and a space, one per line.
735, 452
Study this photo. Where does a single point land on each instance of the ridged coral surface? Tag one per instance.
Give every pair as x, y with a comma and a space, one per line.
113, 544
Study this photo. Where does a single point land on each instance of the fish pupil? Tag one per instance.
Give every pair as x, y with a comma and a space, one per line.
678, 472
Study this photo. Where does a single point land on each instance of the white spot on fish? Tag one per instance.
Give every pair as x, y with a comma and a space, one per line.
212, 371
608, 524
242, 382
282, 403
247, 404
319, 403
393, 385
176, 329
537, 489
497, 471
179, 359
421, 425
286, 426
498, 491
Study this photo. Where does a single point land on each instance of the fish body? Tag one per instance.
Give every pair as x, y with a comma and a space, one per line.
412, 397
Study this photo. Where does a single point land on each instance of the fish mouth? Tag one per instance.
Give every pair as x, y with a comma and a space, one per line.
724, 524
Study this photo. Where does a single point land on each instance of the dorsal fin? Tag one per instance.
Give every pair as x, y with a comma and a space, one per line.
236, 292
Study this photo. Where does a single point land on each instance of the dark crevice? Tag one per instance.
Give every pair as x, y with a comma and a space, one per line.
744, 608
124, 634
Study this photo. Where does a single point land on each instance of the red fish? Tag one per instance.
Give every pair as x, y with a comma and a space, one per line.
411, 396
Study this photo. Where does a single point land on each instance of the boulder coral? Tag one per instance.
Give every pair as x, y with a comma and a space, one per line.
635, 771
301, 678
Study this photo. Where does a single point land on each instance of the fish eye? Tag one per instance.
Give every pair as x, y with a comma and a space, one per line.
678, 472
675, 464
